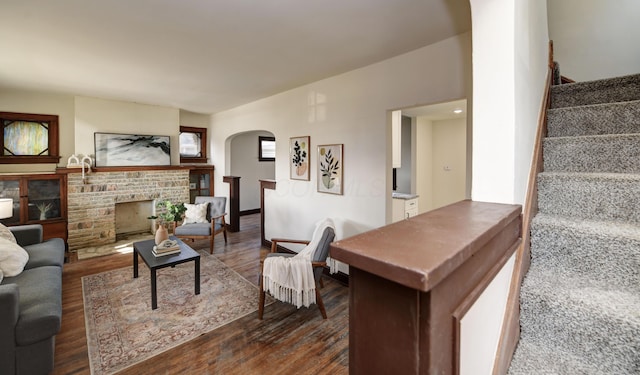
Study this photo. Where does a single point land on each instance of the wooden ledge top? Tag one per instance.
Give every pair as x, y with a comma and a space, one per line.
421, 251
65, 170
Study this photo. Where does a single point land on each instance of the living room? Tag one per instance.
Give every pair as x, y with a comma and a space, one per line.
351, 108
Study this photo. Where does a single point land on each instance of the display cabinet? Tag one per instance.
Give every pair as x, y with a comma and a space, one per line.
200, 181
37, 199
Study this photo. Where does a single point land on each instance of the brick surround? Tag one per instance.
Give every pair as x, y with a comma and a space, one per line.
91, 205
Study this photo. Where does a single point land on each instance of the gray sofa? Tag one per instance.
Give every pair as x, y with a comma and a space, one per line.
31, 305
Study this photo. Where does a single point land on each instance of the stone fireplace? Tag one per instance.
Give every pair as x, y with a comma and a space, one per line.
131, 218
92, 204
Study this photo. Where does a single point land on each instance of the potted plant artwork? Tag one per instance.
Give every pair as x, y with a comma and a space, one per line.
330, 169
299, 152
43, 208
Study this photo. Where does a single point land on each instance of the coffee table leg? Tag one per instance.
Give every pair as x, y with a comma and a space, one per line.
135, 263
154, 294
197, 275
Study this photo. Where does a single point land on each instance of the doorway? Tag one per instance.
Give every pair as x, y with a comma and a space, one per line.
245, 163
439, 168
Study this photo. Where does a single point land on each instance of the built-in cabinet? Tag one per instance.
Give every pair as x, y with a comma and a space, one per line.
404, 208
200, 181
37, 199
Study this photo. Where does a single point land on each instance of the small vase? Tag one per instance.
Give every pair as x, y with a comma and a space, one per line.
161, 234
301, 169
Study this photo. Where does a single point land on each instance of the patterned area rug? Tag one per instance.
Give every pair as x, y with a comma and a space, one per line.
123, 330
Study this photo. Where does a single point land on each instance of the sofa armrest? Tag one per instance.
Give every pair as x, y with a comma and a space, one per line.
9, 296
26, 235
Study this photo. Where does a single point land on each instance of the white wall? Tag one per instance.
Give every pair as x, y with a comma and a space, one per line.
101, 115
449, 161
424, 163
510, 44
595, 39
440, 144
245, 164
197, 120
510, 55
45, 104
352, 111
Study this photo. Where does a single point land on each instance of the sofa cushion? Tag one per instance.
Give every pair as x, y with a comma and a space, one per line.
6, 233
40, 303
196, 213
13, 258
195, 229
47, 253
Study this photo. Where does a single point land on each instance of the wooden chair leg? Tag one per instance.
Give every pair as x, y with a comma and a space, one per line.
225, 235
320, 304
261, 302
211, 244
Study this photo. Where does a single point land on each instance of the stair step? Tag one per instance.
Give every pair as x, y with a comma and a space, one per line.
605, 252
601, 325
616, 153
593, 196
532, 358
597, 119
620, 89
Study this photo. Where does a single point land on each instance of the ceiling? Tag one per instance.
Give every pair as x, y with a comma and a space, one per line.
207, 55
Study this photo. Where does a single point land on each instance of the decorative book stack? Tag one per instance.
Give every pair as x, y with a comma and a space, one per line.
166, 247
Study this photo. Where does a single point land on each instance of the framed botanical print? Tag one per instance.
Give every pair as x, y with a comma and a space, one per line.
299, 158
330, 168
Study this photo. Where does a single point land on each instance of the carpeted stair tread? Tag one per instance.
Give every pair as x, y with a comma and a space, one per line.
594, 196
597, 119
602, 325
619, 89
533, 358
608, 253
617, 153
580, 300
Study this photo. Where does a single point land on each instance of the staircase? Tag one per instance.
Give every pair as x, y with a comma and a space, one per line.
580, 300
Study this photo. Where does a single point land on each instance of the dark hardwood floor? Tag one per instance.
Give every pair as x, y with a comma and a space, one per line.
287, 341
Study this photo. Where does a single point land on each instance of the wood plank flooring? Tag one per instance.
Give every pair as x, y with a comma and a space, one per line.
287, 341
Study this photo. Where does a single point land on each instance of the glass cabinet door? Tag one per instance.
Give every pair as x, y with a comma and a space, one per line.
200, 182
43, 199
11, 189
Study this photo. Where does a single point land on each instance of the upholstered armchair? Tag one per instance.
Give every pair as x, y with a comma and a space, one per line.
318, 261
204, 222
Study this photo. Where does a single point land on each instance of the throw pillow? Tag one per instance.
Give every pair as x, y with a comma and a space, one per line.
13, 258
6, 233
196, 213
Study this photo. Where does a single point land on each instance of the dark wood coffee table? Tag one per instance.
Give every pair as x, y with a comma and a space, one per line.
187, 254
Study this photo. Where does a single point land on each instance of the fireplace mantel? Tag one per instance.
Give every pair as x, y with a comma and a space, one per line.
64, 170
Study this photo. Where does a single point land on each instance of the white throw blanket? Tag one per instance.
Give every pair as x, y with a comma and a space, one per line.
290, 279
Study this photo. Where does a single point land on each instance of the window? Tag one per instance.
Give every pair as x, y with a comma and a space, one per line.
266, 149
29, 138
193, 145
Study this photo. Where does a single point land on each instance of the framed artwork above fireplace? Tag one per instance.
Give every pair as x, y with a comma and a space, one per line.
123, 150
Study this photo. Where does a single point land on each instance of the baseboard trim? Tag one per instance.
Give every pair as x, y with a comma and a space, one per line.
249, 212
